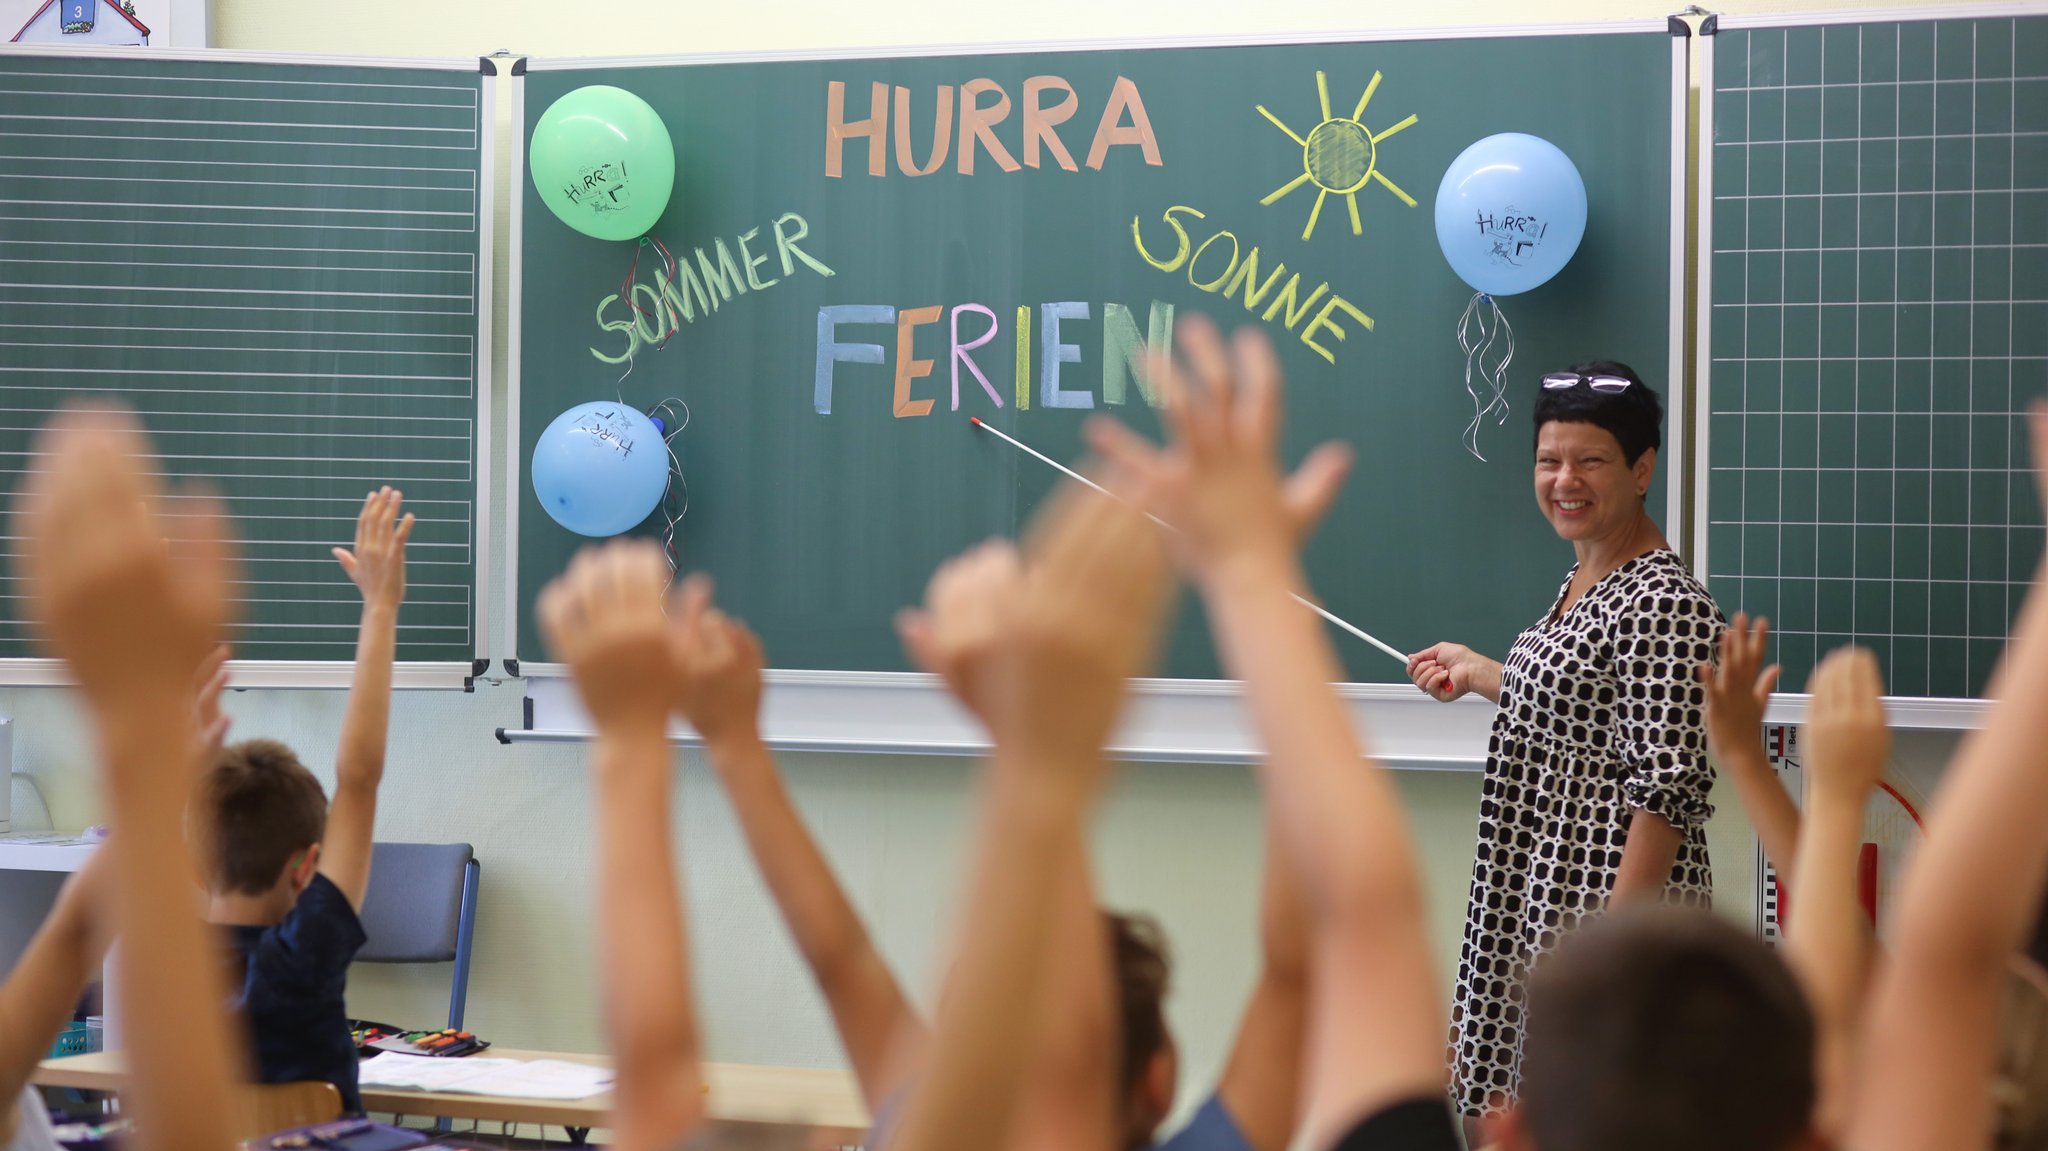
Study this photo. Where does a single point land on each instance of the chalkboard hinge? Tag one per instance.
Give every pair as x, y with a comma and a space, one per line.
512, 668
1677, 26
1710, 25
477, 669
519, 66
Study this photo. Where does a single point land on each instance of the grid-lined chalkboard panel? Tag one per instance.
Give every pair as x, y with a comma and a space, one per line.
277, 266
1879, 323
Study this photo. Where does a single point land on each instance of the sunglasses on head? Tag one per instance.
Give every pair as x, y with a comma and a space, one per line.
1608, 384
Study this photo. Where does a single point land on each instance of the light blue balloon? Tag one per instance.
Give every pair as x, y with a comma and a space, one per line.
1510, 212
599, 469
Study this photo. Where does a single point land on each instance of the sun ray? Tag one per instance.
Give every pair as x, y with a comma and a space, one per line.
1394, 188
1313, 213
1292, 134
1275, 196
1409, 122
1370, 87
1340, 156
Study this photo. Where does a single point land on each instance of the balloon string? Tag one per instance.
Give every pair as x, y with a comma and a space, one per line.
1499, 374
675, 497
1480, 330
666, 321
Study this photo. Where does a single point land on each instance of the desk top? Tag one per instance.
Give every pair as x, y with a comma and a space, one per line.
43, 851
734, 1093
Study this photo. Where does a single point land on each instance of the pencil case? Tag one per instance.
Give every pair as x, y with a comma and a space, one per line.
340, 1135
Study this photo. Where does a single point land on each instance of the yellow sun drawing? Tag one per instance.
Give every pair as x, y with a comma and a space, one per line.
1340, 155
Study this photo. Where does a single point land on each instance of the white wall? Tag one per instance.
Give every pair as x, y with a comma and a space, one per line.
1180, 841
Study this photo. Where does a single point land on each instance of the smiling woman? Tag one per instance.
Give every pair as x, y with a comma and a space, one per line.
1596, 776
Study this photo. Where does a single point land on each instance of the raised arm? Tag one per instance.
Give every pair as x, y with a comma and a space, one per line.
134, 620
1975, 885
39, 994
1072, 1070
604, 619
1738, 690
1219, 486
377, 567
720, 662
1261, 1084
1081, 618
1829, 943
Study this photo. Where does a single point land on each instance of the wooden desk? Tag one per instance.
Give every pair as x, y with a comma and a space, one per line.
828, 1102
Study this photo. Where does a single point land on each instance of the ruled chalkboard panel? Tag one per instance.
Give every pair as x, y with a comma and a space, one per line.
277, 266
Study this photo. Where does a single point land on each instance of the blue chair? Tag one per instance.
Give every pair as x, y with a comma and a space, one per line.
421, 908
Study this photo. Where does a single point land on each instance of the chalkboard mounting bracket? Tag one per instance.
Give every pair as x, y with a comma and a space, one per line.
512, 668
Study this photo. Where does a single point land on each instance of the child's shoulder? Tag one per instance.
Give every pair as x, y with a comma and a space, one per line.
321, 932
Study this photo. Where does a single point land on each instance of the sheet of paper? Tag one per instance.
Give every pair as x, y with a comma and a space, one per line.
480, 1075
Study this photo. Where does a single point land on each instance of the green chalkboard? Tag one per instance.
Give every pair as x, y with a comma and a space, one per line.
819, 523
276, 265
1879, 323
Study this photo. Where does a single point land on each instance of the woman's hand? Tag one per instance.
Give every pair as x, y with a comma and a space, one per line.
1447, 671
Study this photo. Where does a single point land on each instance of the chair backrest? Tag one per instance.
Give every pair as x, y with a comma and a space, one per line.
421, 908
279, 1106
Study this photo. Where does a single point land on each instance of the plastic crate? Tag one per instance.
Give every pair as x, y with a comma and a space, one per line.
76, 1039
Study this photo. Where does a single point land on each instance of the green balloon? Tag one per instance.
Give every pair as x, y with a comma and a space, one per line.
602, 161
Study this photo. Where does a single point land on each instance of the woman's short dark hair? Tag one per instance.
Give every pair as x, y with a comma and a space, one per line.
1633, 416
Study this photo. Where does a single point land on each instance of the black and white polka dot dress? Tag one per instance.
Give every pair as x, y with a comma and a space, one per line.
1600, 714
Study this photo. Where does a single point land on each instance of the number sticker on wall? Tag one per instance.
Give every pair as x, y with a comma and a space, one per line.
79, 15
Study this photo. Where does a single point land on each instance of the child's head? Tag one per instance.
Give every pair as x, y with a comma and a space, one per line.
266, 815
1150, 1063
1666, 1028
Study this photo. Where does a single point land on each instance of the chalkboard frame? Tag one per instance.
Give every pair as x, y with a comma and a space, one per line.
282, 673
1940, 713
1174, 720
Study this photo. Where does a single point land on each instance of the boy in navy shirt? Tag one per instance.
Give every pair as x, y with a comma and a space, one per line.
287, 872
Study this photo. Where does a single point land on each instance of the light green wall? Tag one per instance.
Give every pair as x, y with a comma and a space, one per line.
1180, 841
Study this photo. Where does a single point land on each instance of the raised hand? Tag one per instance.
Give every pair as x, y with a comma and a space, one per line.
718, 662
604, 618
132, 616
1847, 742
1218, 482
1084, 616
377, 564
208, 683
1740, 688
961, 627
